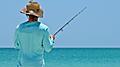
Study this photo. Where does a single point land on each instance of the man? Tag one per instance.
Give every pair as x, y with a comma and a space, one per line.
32, 38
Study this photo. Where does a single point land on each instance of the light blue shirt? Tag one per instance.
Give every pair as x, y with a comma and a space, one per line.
32, 39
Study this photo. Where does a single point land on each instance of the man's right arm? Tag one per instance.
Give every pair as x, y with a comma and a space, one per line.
47, 41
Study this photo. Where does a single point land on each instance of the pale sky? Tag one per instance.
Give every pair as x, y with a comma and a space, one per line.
97, 26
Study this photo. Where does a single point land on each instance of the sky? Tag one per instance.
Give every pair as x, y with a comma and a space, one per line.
98, 26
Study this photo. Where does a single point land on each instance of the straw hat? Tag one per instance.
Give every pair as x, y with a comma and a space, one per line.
33, 8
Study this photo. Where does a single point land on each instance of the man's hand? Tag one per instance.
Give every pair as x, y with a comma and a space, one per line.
52, 37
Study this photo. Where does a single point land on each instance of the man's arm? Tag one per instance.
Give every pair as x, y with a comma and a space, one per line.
48, 41
16, 39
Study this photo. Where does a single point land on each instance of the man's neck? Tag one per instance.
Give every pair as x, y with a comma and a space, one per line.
32, 19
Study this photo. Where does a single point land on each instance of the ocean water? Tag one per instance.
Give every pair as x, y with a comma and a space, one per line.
69, 57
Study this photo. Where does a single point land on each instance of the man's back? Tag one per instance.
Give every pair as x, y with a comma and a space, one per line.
32, 38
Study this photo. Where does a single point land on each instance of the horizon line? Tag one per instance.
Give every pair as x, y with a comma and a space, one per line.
68, 47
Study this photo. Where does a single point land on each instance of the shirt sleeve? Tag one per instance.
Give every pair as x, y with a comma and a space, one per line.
47, 41
16, 40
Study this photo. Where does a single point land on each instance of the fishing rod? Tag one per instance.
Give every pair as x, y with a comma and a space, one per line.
61, 29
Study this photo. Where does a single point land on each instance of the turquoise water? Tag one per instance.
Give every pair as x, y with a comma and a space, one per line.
69, 57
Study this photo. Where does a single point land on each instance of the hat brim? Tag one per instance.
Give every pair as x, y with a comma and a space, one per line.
38, 14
